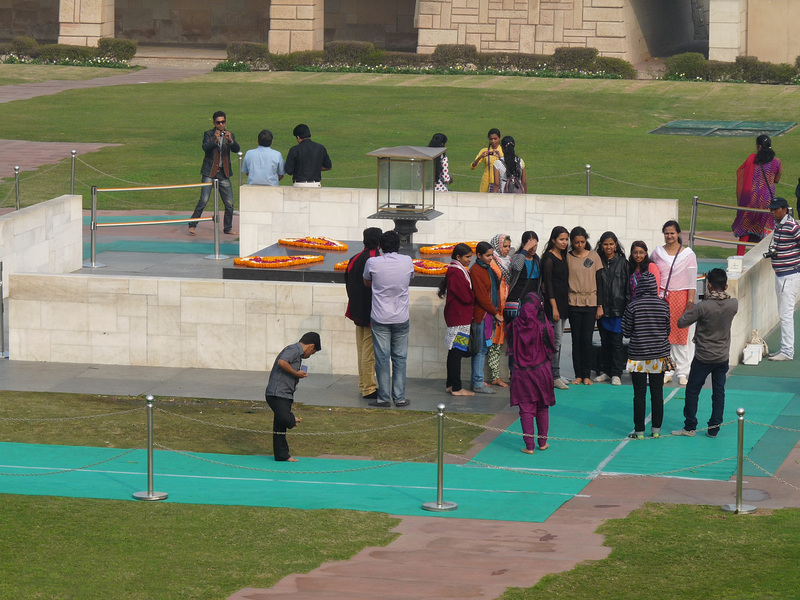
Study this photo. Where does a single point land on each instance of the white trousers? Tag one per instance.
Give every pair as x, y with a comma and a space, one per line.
683, 354
786, 289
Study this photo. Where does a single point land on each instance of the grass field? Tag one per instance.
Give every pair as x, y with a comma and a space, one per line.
559, 125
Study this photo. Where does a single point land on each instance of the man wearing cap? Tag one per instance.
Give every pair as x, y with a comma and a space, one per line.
286, 372
306, 161
785, 255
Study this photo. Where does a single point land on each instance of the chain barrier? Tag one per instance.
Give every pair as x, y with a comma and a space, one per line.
83, 162
562, 439
310, 433
772, 426
772, 475
471, 461
669, 189
111, 414
294, 472
100, 462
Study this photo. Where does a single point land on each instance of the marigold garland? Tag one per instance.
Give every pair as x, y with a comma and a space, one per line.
429, 267
317, 242
445, 248
277, 262
341, 266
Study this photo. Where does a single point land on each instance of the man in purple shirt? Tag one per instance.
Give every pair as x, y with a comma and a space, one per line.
389, 277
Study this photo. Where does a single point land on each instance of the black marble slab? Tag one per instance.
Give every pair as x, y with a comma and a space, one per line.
323, 272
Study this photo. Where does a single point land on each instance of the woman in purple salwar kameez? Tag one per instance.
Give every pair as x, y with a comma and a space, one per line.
530, 342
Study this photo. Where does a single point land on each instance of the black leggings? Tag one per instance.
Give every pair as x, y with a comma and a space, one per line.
639, 381
454, 357
581, 324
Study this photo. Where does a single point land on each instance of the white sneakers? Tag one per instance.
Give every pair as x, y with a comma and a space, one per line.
779, 356
615, 380
601, 378
683, 380
560, 384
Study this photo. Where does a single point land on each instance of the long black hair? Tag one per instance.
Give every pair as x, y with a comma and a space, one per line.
608, 235
509, 155
437, 141
645, 265
578, 231
765, 152
526, 237
557, 231
459, 250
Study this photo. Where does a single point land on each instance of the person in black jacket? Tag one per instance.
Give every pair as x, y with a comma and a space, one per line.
646, 323
613, 293
359, 305
218, 143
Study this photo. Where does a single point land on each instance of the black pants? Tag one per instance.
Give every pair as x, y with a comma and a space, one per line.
581, 324
613, 355
454, 356
283, 419
639, 381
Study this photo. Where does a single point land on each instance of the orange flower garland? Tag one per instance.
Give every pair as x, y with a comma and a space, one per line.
430, 267
341, 266
445, 248
318, 243
277, 262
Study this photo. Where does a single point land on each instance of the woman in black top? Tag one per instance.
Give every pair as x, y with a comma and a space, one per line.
613, 289
555, 287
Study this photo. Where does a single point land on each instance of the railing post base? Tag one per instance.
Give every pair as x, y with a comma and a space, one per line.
150, 494
739, 508
440, 505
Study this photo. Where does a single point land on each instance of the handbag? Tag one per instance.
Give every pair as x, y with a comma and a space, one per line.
667, 364
476, 338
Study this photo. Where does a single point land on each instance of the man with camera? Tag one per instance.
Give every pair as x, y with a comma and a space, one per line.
784, 251
218, 143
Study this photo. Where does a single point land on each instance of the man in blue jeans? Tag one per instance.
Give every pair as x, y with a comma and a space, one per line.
389, 276
218, 143
712, 338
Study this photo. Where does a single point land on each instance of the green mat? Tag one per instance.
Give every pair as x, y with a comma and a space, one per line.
588, 428
312, 483
160, 247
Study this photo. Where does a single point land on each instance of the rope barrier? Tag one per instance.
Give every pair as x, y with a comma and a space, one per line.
78, 418
108, 174
760, 468
653, 187
309, 433
156, 187
295, 472
59, 472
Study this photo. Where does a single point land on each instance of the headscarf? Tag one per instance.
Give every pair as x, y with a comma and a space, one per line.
504, 262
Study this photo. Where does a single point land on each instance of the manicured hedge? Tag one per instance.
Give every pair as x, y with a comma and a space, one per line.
109, 52
694, 66
446, 58
117, 49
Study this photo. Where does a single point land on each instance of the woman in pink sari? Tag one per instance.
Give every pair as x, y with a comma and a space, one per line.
755, 188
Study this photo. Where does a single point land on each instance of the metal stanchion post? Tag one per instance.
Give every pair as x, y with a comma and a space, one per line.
216, 255
693, 225
150, 494
16, 184
440, 505
92, 263
72, 174
739, 508
239, 189
588, 179
3, 353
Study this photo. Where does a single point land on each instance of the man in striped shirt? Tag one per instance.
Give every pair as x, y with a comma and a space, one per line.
785, 255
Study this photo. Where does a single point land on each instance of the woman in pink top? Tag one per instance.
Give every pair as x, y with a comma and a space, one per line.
678, 267
639, 262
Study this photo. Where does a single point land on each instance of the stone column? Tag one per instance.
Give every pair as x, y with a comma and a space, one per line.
296, 25
83, 22
727, 34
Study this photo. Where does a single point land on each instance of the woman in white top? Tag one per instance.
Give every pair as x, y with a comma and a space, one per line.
509, 164
678, 267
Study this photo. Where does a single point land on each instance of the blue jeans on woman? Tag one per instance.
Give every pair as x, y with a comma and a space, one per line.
390, 343
479, 360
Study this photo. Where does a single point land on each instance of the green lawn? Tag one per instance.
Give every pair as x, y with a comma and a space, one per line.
664, 552
15, 74
560, 126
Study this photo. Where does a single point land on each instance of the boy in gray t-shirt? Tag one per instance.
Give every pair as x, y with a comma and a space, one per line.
712, 339
286, 372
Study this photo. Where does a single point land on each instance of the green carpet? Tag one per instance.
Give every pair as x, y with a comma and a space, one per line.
160, 247
588, 427
312, 483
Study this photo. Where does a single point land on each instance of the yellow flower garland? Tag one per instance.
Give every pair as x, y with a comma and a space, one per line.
445, 248
317, 242
277, 262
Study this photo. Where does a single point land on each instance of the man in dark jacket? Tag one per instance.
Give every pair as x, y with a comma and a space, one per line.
359, 306
218, 143
712, 339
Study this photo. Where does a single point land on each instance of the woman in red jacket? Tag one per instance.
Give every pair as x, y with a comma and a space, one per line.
458, 309
486, 312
